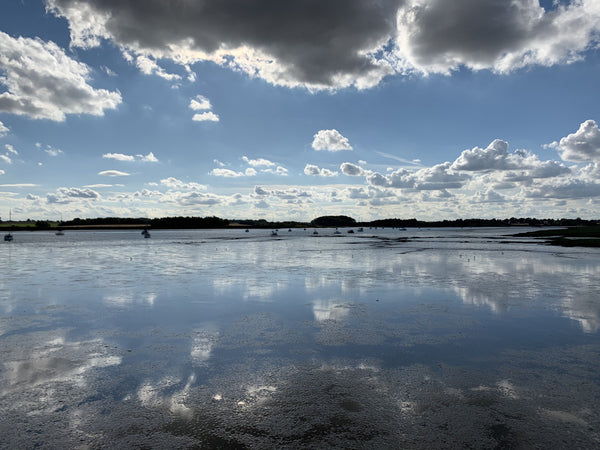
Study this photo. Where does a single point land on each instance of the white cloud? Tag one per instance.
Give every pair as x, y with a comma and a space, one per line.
583, 145
311, 169
6, 159
42, 82
195, 199
113, 173
2, 172
129, 158
200, 103
439, 177
53, 151
330, 140
521, 166
10, 149
148, 66
218, 172
68, 195
3, 130
206, 117
258, 162
174, 183
565, 189
118, 156
250, 172
494, 157
148, 158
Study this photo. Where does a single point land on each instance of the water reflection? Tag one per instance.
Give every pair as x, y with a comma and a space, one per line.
262, 343
122, 299
330, 310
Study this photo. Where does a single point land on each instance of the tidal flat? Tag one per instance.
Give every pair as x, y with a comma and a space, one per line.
386, 338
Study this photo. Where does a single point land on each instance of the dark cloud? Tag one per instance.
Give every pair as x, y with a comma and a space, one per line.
441, 35
337, 43
469, 29
312, 41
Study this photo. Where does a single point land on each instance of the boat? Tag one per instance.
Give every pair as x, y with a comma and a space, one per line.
60, 233
8, 236
360, 229
247, 230
146, 233
350, 231
273, 233
337, 231
315, 232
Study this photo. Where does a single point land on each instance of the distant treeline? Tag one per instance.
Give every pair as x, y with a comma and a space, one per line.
323, 221
162, 222
513, 221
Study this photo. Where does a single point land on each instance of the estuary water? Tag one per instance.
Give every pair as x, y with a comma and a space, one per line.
386, 338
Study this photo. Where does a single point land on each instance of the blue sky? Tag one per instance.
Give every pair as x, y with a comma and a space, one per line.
291, 110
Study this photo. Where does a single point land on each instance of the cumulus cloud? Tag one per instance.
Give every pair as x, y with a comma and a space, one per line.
42, 82
113, 173
206, 117
330, 140
311, 169
583, 145
3, 130
228, 173
494, 157
441, 36
351, 169
174, 183
279, 170
200, 103
260, 191
196, 198
68, 195
522, 164
566, 189
263, 39
439, 177
148, 158
258, 162
350, 43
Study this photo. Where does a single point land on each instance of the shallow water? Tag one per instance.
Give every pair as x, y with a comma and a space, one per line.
418, 338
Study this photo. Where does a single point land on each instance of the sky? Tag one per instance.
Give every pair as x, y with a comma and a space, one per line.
290, 110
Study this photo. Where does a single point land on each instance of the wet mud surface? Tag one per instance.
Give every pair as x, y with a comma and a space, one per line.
357, 342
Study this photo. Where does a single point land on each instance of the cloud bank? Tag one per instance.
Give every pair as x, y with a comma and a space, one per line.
339, 43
